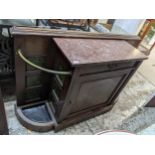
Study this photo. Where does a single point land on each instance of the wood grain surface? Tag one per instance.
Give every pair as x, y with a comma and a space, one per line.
69, 33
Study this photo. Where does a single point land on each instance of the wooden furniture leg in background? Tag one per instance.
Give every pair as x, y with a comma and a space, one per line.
3, 121
151, 101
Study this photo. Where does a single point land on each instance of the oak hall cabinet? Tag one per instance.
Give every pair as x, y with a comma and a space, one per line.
62, 81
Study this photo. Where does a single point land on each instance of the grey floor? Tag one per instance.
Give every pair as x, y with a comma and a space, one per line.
148, 131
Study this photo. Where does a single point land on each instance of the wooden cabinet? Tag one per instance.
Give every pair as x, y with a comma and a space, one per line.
3, 122
89, 74
93, 89
96, 88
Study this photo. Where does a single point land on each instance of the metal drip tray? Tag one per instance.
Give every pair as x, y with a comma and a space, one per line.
38, 113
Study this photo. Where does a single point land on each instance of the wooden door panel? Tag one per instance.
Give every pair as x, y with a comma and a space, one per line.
95, 92
94, 89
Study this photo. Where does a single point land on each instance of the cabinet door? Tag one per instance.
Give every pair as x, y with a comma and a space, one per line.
94, 89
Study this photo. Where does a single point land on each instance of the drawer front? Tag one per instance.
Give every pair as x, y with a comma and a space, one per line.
121, 65
107, 67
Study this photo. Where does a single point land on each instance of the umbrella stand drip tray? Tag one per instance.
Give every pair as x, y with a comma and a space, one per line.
37, 116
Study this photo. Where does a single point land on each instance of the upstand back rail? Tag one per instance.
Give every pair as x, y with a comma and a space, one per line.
62, 81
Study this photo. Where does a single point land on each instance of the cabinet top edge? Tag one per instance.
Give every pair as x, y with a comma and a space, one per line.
37, 31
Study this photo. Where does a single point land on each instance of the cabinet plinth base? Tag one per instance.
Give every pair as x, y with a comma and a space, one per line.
31, 121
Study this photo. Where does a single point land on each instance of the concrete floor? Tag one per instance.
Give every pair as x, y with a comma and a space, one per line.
127, 113
143, 122
148, 131
147, 69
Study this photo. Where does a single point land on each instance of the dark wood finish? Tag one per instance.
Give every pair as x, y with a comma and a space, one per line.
97, 110
33, 47
28, 93
91, 89
20, 73
70, 34
3, 122
151, 101
32, 125
100, 70
134, 43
